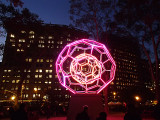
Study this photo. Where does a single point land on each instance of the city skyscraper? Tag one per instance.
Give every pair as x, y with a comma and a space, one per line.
29, 61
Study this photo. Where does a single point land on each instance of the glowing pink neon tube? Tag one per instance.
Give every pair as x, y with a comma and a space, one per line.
85, 66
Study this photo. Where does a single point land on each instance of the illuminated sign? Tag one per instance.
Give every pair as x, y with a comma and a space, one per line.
85, 66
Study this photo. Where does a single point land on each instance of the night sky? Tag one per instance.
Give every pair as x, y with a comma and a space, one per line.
54, 11
50, 11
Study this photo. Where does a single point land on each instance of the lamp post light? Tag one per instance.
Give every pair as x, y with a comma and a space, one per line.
13, 97
35, 89
137, 98
114, 93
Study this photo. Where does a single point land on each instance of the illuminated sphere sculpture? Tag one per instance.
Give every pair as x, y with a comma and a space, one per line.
85, 66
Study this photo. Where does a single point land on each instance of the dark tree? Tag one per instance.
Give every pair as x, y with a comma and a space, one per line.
10, 17
140, 19
1, 49
137, 18
91, 15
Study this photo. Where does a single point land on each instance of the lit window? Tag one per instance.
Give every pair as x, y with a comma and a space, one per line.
40, 76
51, 60
31, 41
39, 88
26, 95
9, 70
61, 42
38, 60
68, 39
31, 32
5, 70
19, 45
16, 88
13, 81
47, 71
21, 40
12, 40
50, 37
41, 41
39, 45
56, 76
41, 60
28, 59
52, 46
41, 37
50, 71
40, 70
18, 50
23, 31
13, 44
36, 76
17, 81
34, 95
12, 36
47, 60
50, 76
31, 36
50, 65
28, 76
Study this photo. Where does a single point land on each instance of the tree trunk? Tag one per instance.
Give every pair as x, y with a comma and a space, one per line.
106, 100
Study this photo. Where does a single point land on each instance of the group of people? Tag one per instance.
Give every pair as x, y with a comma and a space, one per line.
19, 114
132, 113
84, 115
22, 112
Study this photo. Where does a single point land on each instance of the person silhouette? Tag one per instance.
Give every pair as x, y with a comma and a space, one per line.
102, 116
84, 114
132, 113
21, 113
157, 111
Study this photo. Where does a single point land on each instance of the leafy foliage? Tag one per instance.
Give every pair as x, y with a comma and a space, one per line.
91, 15
1, 49
9, 15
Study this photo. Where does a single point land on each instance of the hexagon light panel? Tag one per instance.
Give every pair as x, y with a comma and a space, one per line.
85, 66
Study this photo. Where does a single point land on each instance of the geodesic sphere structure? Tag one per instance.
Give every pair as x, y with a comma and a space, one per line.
85, 66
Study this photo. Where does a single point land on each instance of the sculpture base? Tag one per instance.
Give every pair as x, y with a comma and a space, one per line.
77, 101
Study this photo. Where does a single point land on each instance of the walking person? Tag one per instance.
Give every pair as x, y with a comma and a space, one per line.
84, 114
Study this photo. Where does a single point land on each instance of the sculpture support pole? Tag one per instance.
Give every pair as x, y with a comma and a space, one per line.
93, 101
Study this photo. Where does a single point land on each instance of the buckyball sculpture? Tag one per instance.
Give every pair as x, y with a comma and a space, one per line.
85, 67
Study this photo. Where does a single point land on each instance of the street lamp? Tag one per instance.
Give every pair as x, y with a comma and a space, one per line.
13, 97
137, 98
114, 93
35, 89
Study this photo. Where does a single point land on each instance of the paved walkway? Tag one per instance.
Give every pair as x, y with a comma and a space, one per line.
115, 116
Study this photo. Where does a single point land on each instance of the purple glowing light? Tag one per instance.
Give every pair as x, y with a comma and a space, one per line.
85, 66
